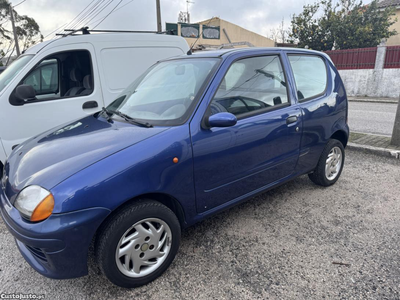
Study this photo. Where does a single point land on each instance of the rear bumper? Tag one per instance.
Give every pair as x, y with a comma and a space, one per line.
57, 247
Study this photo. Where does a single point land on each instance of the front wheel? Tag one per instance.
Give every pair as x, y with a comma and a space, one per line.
138, 244
330, 164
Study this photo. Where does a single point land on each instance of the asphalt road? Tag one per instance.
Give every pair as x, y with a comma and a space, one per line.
376, 118
279, 245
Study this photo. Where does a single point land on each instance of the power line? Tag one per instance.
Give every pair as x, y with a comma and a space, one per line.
53, 32
83, 14
80, 12
115, 9
108, 14
93, 13
19, 3
121, 7
100, 10
124, 5
88, 12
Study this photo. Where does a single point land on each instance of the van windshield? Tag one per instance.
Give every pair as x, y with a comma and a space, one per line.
13, 69
167, 93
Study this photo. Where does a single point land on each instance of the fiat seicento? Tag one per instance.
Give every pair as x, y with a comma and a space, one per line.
192, 136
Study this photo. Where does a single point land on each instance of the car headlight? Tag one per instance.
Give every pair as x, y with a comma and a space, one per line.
35, 203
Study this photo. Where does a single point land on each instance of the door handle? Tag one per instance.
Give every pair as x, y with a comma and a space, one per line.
291, 119
90, 104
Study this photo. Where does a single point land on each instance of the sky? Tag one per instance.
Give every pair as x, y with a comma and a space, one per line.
259, 16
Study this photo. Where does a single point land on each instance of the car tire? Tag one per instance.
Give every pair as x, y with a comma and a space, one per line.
129, 247
330, 164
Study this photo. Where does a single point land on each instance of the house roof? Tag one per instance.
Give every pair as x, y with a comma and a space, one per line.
387, 3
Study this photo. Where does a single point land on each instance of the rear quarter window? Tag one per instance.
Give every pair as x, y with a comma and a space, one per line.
310, 74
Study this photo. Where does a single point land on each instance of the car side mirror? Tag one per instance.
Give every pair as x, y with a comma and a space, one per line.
223, 119
24, 93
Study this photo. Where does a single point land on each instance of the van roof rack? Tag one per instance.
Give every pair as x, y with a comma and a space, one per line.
85, 30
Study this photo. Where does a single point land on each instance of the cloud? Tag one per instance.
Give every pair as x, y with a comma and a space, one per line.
257, 15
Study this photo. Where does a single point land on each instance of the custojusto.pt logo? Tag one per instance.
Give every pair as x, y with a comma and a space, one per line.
21, 296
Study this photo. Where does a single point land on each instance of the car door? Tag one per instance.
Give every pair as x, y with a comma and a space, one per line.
54, 104
261, 149
320, 104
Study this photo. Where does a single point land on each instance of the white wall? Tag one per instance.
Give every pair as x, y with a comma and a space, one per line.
378, 82
372, 83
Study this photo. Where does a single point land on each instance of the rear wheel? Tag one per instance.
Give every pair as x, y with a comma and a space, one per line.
330, 164
138, 244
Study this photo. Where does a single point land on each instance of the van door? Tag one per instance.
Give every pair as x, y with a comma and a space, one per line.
67, 87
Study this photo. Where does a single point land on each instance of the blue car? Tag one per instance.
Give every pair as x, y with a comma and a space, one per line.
194, 135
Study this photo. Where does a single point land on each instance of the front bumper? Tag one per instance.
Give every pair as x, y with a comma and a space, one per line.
57, 247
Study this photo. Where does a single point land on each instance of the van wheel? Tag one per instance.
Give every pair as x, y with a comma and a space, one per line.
138, 244
330, 164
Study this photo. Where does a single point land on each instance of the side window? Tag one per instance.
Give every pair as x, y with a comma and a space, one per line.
310, 75
44, 78
62, 75
50, 77
251, 84
33, 80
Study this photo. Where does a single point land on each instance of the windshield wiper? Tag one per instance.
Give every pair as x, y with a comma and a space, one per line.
272, 76
131, 120
107, 114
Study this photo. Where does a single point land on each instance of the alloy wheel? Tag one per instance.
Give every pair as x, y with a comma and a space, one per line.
333, 163
143, 247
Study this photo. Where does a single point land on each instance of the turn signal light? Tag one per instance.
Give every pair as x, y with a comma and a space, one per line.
44, 209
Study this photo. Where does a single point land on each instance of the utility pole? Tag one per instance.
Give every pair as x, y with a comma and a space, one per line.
396, 128
187, 10
159, 27
14, 30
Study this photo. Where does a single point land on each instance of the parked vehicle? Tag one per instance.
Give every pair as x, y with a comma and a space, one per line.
192, 136
73, 77
2, 69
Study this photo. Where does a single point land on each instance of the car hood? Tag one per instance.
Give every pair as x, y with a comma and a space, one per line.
53, 156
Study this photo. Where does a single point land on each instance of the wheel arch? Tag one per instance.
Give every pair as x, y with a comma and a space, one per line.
341, 136
171, 202
165, 199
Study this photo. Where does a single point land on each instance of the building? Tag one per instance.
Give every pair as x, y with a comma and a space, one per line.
217, 33
394, 40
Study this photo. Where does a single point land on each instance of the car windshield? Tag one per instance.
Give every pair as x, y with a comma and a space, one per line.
167, 93
12, 70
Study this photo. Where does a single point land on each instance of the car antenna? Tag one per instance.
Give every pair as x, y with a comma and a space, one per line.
191, 48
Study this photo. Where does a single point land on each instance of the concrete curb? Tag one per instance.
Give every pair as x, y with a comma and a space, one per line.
373, 100
374, 150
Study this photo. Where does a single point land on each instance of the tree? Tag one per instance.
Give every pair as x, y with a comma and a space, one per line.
28, 31
347, 24
4, 19
279, 34
313, 32
360, 26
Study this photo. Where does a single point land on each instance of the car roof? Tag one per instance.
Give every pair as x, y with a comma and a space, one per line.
107, 37
228, 52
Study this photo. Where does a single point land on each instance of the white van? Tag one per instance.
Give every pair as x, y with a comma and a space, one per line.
64, 79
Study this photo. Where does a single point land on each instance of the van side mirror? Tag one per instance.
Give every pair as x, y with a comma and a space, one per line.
223, 119
23, 93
